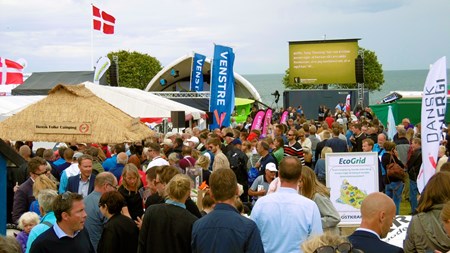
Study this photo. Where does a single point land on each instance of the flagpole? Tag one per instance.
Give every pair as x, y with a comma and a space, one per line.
92, 42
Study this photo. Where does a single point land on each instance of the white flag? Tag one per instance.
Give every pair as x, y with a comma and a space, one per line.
101, 67
391, 124
434, 104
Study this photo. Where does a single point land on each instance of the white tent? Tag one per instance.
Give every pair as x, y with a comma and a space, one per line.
136, 103
10, 105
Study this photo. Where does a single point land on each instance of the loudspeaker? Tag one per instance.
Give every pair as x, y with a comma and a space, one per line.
210, 116
178, 119
113, 74
359, 69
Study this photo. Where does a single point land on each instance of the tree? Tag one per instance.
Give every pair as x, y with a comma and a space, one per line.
135, 69
373, 75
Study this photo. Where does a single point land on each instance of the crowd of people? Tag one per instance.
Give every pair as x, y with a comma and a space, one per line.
254, 193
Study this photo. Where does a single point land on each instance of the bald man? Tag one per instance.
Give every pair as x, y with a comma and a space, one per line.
377, 211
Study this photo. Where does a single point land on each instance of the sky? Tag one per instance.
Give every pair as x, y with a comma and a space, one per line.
57, 35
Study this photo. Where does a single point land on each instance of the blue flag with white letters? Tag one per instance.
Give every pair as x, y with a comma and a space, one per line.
221, 102
197, 74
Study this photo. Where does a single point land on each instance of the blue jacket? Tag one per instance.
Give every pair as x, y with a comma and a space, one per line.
225, 230
74, 183
370, 243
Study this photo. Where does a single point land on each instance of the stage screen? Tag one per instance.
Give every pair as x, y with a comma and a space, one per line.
323, 62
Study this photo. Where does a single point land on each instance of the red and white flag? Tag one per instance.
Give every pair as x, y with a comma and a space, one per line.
11, 72
103, 21
347, 103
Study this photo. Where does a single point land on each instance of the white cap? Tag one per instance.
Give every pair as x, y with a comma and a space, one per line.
271, 167
193, 139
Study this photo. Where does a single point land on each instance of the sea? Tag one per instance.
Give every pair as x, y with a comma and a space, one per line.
394, 80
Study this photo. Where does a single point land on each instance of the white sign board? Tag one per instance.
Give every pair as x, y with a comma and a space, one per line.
350, 178
397, 234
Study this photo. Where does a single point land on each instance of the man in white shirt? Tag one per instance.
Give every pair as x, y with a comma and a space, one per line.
154, 154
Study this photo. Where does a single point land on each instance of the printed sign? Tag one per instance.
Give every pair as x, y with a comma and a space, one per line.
63, 128
350, 178
397, 234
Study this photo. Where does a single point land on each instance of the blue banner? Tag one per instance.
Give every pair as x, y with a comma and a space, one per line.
221, 103
197, 74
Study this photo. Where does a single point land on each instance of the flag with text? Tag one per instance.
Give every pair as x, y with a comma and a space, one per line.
221, 102
197, 72
434, 105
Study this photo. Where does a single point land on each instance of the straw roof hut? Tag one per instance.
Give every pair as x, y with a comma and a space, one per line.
73, 113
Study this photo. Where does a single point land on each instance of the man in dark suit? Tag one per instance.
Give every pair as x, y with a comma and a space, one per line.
24, 194
82, 183
377, 211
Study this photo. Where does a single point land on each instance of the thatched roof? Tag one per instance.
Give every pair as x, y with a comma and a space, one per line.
73, 113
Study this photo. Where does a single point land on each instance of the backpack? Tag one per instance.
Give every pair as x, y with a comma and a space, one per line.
211, 154
233, 158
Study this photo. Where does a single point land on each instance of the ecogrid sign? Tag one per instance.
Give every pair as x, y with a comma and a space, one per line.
350, 178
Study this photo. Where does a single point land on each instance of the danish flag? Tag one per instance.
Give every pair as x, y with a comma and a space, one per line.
103, 21
11, 72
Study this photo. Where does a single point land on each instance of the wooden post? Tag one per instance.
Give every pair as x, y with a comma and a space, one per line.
3, 172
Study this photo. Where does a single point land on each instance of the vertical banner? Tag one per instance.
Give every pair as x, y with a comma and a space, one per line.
434, 104
101, 67
267, 121
258, 120
391, 126
284, 117
221, 103
197, 72
347, 103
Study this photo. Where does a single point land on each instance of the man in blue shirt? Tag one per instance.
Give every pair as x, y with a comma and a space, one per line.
286, 218
224, 229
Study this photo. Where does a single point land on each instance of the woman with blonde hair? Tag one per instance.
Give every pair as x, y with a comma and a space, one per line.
328, 242
312, 189
319, 169
129, 188
445, 217
42, 182
306, 146
174, 160
425, 230
203, 162
167, 227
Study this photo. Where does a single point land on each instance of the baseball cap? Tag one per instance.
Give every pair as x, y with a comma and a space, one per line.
170, 134
271, 167
167, 142
76, 155
193, 139
237, 142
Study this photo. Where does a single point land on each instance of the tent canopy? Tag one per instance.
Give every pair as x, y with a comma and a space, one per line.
40, 83
72, 113
403, 108
138, 103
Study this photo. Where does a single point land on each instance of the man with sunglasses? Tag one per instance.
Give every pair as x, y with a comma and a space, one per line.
24, 195
378, 212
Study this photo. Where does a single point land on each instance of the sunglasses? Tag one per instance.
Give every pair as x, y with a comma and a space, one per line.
344, 247
113, 186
